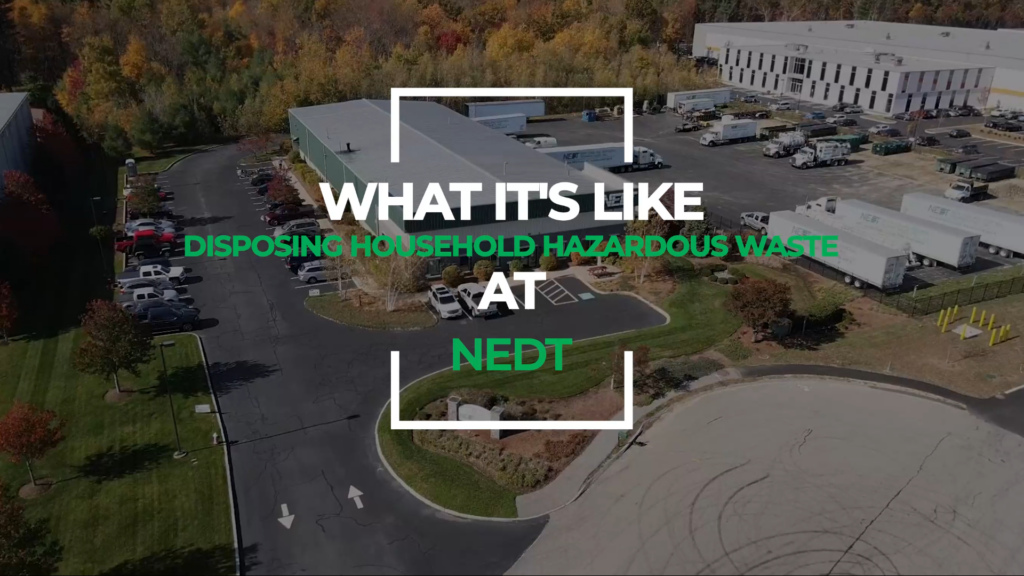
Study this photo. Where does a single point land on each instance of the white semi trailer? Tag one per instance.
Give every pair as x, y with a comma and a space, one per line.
860, 261
698, 105
607, 156
720, 96
528, 108
923, 241
1002, 232
728, 131
506, 123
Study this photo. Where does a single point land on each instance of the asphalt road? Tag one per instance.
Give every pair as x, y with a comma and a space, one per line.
300, 397
804, 476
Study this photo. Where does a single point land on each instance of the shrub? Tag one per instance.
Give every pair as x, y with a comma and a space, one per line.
515, 265
558, 450
483, 270
610, 260
451, 276
548, 262
733, 281
738, 274
294, 157
581, 260
687, 369
705, 271
719, 267
711, 278
827, 305
101, 233
723, 280
679, 268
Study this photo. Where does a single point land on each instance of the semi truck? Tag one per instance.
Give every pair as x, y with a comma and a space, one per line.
506, 123
861, 262
785, 144
821, 154
698, 105
1001, 232
528, 108
730, 131
924, 242
607, 156
720, 96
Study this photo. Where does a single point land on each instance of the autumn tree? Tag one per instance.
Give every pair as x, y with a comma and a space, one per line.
26, 546
643, 261
115, 341
28, 433
919, 14
8, 309
20, 187
146, 200
255, 145
280, 190
759, 302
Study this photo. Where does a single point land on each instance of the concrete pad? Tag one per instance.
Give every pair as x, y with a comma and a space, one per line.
799, 476
971, 331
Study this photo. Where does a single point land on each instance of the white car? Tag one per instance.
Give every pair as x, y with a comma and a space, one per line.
854, 109
782, 105
756, 220
144, 294
878, 128
303, 226
471, 293
442, 300
132, 226
836, 118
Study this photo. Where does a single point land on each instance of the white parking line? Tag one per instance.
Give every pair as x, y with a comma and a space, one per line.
558, 289
305, 286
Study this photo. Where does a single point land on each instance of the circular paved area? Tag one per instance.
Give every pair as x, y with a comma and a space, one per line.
801, 476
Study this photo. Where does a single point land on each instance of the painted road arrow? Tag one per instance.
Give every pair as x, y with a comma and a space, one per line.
354, 494
286, 518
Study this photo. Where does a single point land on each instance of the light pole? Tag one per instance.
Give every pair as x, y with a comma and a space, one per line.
179, 453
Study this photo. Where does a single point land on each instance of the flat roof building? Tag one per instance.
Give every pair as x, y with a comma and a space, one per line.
883, 66
16, 136
351, 142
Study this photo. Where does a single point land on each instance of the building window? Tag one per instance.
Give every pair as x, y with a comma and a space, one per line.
727, 50
920, 81
839, 68
760, 61
772, 65
764, 80
741, 75
853, 75
906, 81
888, 104
842, 92
938, 101
867, 79
738, 53
907, 107
977, 79
814, 85
796, 85
798, 65
935, 81
827, 86
856, 96
785, 63
963, 80
775, 88
730, 73
750, 54
885, 80
924, 101
967, 97
871, 103
810, 64
822, 75
949, 80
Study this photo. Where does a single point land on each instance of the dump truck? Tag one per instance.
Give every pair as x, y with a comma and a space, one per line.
966, 191
785, 144
607, 156
924, 242
720, 96
861, 262
821, 154
730, 131
1001, 232
506, 123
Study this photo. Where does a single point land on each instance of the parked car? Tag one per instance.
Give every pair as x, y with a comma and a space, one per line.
967, 150
756, 220
141, 309
1012, 127
129, 300
781, 105
128, 286
901, 116
317, 271
470, 293
261, 179
890, 133
854, 109
164, 211
173, 273
133, 225
846, 122
929, 114
815, 115
959, 133
877, 127
146, 241
444, 302
839, 106
836, 118
944, 113
994, 123
287, 213
926, 141
688, 127
162, 261
295, 261
262, 190
169, 318
305, 225
750, 99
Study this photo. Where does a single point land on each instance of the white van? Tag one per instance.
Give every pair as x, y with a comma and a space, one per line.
782, 105
542, 142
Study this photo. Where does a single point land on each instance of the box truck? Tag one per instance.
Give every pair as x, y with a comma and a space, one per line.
730, 131
785, 144
506, 123
720, 96
1001, 232
607, 156
924, 242
821, 154
861, 262
528, 108
699, 105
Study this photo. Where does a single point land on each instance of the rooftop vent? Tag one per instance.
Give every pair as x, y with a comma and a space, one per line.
988, 46
888, 36
850, 25
944, 33
348, 149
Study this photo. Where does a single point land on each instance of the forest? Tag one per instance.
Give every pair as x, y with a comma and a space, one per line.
151, 73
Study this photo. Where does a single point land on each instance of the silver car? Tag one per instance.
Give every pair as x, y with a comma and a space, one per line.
303, 226
147, 294
132, 226
129, 285
442, 300
317, 271
471, 293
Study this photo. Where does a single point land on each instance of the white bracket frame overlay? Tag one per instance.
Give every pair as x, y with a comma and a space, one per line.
625, 93
625, 424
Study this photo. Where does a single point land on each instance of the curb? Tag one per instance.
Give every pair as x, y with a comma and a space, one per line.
227, 456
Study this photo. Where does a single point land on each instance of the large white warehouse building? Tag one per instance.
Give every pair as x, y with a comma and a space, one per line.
882, 66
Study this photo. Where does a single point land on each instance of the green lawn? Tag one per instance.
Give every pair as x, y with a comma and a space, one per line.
698, 321
121, 503
370, 317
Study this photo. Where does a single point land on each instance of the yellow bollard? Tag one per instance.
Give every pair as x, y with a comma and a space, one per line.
956, 310
945, 324
973, 311
942, 315
992, 340
1002, 334
991, 321
982, 321
1007, 336
963, 332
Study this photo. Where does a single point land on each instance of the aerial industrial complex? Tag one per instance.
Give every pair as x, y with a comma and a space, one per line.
885, 67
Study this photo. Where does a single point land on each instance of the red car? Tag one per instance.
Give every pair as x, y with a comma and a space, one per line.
147, 238
287, 213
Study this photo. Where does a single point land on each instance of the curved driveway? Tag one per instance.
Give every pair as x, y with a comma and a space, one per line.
804, 476
300, 397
